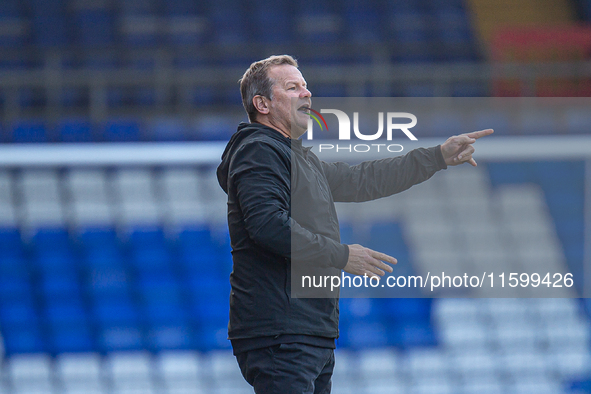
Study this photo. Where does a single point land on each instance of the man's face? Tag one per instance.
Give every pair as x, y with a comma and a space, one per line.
290, 99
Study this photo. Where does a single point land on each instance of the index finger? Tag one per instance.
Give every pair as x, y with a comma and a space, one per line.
479, 134
383, 257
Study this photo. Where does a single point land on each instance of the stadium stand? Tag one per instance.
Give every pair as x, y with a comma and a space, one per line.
114, 279
125, 296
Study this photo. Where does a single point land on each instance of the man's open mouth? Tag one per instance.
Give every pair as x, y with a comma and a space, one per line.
304, 109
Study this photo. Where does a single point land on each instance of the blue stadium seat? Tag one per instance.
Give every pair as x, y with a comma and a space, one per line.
29, 131
106, 257
401, 6
196, 250
386, 236
75, 130
146, 237
442, 124
356, 309
18, 314
229, 24
49, 23
363, 22
466, 89
11, 8
411, 335
23, 340
170, 337
212, 337
408, 310
330, 90
214, 128
100, 237
167, 129
117, 312
13, 262
68, 340
13, 31
183, 7
31, 98
137, 7
10, 239
120, 338
94, 27
107, 283
60, 285
363, 335
51, 239
159, 288
509, 173
188, 29
66, 314
209, 311
211, 323
122, 130
15, 287
272, 25
165, 313
55, 260
419, 90
151, 258
202, 287
347, 233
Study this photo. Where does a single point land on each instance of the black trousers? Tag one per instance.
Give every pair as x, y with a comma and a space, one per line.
288, 368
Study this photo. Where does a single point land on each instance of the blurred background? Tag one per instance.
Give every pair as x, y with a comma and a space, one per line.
114, 253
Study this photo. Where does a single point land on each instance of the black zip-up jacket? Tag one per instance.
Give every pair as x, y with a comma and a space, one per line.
281, 211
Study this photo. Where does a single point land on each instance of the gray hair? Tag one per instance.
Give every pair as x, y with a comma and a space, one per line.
256, 81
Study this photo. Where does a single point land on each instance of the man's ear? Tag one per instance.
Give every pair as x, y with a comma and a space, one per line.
260, 103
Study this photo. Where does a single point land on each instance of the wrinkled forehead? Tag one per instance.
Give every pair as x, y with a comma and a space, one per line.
285, 73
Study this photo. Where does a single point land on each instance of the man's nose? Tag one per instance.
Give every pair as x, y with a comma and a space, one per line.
306, 93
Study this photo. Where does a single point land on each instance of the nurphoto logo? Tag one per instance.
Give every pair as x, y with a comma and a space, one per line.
393, 124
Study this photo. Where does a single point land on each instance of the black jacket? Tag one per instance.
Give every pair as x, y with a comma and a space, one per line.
281, 212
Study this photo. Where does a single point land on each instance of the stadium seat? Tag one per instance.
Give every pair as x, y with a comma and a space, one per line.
15, 287
122, 130
108, 282
94, 27
59, 284
165, 313
13, 31
167, 129
363, 21
115, 313
49, 23
23, 340
363, 335
159, 287
509, 173
66, 339
29, 131
66, 314
75, 130
121, 338
170, 337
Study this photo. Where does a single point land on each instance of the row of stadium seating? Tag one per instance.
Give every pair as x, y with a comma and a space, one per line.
421, 24
132, 284
486, 347
210, 127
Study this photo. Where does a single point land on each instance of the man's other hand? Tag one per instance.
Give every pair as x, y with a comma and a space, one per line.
459, 149
363, 260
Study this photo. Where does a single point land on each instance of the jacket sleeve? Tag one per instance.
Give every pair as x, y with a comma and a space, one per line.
261, 176
381, 178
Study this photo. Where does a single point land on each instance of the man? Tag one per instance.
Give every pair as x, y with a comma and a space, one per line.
284, 344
